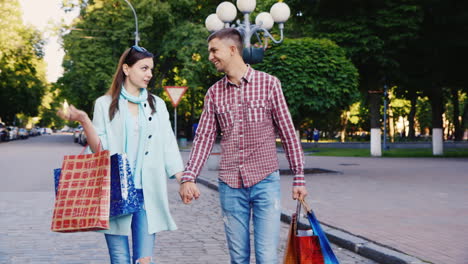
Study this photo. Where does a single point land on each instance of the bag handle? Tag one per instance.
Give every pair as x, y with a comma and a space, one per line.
306, 206
328, 255
300, 202
295, 217
84, 148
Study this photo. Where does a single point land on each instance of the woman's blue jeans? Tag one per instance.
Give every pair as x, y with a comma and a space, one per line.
261, 201
142, 242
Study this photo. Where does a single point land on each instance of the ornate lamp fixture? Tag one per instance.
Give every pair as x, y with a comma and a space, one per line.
226, 12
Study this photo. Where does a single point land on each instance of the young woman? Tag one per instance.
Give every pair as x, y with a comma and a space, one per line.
128, 119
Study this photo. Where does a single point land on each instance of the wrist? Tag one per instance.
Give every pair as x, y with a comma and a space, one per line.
187, 177
84, 119
185, 181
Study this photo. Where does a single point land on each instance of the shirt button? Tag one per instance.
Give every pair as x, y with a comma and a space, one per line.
150, 118
240, 166
150, 136
146, 153
240, 120
241, 150
239, 104
241, 135
144, 105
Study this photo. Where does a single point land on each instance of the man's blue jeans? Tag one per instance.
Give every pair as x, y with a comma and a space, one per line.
142, 242
261, 201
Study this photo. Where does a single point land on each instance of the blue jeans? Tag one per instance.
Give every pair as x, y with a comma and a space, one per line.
263, 202
142, 242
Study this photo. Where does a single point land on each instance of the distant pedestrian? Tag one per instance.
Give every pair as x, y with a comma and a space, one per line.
130, 120
249, 107
316, 135
194, 129
309, 134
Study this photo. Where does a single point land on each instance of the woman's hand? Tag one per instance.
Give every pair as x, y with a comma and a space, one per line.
178, 176
72, 114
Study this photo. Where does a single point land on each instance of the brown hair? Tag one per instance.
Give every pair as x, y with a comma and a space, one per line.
129, 57
229, 33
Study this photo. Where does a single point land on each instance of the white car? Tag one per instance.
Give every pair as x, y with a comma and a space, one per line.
76, 133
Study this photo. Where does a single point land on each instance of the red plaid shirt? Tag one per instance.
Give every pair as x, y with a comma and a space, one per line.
247, 115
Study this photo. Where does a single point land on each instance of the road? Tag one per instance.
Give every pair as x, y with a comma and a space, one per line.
27, 199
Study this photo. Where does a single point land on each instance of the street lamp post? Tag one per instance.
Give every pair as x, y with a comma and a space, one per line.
226, 12
385, 147
137, 36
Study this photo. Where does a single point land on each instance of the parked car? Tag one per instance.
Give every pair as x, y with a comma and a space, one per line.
23, 133
12, 132
46, 130
82, 138
33, 132
76, 133
3, 132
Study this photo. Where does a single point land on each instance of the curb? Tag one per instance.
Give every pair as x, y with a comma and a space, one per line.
365, 247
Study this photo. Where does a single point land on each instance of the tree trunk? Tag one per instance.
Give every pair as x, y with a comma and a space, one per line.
436, 97
344, 123
391, 124
464, 123
412, 114
458, 133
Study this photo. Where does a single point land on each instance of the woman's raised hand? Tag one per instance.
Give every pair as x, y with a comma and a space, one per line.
72, 114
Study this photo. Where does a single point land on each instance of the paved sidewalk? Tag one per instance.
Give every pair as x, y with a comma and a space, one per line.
27, 198
25, 235
418, 206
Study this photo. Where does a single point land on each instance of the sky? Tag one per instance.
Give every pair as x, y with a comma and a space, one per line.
43, 14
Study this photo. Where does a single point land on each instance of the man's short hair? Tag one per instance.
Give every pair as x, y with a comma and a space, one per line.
229, 33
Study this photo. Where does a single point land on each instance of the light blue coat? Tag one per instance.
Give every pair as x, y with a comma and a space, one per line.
162, 161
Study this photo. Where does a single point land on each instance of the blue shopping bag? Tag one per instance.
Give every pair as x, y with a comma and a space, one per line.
328, 255
124, 197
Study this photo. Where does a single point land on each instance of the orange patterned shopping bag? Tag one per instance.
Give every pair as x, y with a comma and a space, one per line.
83, 196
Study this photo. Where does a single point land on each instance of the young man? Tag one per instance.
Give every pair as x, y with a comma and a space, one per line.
249, 108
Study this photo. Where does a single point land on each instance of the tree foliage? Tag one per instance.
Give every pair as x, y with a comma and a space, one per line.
316, 76
172, 30
22, 70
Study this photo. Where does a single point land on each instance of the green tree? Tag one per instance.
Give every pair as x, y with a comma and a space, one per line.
22, 69
172, 30
316, 76
185, 51
373, 33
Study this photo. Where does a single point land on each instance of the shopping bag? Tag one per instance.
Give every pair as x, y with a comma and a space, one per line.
125, 198
302, 245
83, 193
308, 246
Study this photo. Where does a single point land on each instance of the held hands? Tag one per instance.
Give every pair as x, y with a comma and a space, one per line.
188, 191
299, 192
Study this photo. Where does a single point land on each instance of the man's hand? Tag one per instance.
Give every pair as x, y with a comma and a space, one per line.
188, 191
299, 192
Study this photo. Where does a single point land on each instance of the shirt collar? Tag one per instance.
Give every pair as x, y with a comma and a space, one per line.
247, 77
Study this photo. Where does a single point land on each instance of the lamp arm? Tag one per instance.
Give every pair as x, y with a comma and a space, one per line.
271, 37
137, 36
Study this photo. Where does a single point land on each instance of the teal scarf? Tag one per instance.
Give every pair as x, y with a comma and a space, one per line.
140, 100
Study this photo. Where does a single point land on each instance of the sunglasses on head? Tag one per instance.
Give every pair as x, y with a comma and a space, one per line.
137, 48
